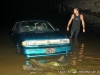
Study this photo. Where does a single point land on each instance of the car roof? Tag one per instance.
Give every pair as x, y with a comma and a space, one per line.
33, 21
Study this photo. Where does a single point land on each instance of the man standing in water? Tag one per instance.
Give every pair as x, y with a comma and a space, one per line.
77, 18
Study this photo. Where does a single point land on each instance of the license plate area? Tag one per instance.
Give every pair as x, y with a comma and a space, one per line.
50, 50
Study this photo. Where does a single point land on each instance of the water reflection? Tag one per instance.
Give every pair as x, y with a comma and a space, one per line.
60, 59
72, 58
77, 51
69, 63
75, 45
48, 63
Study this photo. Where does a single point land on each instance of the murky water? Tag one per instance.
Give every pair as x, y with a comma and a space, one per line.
85, 56
84, 59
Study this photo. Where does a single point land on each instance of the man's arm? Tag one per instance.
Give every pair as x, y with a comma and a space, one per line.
72, 16
83, 23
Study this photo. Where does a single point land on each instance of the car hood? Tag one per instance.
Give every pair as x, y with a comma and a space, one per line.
43, 35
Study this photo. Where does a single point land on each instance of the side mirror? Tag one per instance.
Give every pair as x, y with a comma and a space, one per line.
57, 29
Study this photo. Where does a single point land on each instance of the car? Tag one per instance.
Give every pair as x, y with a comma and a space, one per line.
34, 38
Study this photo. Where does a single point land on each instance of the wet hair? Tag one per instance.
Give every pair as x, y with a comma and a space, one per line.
77, 9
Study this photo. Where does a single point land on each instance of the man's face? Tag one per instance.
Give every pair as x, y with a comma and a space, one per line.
75, 11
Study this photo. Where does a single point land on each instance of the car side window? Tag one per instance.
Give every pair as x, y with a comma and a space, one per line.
15, 28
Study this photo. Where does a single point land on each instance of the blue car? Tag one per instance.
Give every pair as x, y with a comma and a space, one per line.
35, 38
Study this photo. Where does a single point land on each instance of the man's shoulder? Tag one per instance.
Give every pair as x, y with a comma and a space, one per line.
72, 15
81, 14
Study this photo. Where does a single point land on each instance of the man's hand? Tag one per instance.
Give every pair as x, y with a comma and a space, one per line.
83, 30
83, 23
67, 28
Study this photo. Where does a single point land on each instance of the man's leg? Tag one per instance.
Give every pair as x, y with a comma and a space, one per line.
77, 32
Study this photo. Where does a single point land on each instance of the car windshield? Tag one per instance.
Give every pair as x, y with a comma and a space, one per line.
36, 26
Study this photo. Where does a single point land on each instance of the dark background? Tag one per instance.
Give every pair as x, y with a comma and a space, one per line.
13, 10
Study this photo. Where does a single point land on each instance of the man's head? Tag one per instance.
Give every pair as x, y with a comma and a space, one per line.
76, 10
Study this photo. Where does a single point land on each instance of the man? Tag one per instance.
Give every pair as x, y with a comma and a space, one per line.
76, 18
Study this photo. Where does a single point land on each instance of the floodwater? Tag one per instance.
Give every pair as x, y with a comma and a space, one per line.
85, 55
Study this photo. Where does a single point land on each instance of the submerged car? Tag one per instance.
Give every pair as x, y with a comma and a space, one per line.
35, 38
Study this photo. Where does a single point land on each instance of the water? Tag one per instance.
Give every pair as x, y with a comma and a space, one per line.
85, 54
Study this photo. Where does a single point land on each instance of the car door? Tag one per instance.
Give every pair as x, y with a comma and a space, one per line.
15, 32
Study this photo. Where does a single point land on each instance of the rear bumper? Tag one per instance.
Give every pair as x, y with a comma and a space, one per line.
41, 51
